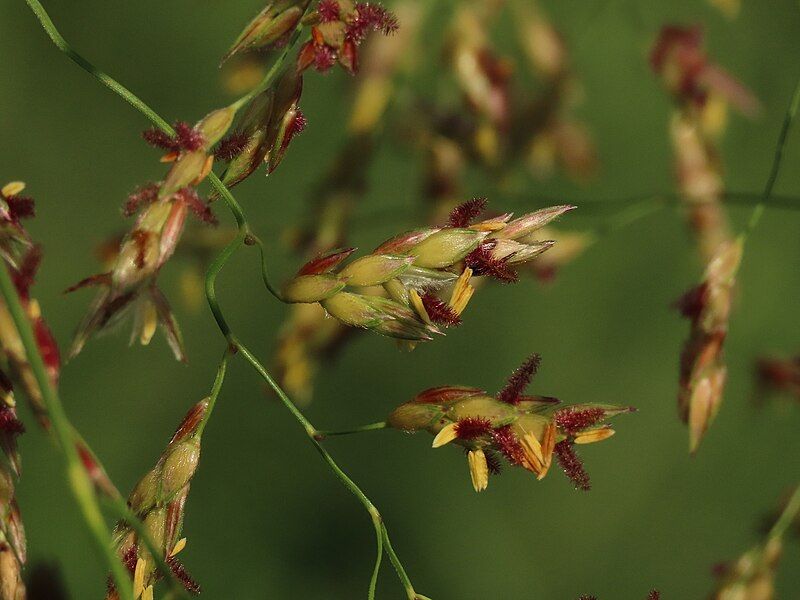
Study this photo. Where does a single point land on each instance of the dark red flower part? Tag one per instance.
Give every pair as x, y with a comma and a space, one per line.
463, 214
180, 573
572, 465
482, 262
324, 57
572, 421
672, 38
159, 139
48, 348
140, 238
140, 197
654, 595
9, 423
328, 10
232, 146
369, 16
585, 597
20, 207
439, 311
25, 275
129, 558
298, 125
519, 380
470, 428
186, 138
693, 302
508, 444
200, 209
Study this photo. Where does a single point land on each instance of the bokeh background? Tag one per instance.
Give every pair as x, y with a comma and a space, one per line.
265, 518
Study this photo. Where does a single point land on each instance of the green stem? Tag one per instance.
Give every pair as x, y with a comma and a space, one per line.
79, 481
791, 111
215, 389
265, 270
787, 517
321, 435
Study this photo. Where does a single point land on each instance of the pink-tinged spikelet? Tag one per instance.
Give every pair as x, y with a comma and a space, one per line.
463, 214
519, 380
572, 465
470, 428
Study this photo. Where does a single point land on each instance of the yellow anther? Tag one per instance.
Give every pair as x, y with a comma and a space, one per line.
179, 545
445, 436
478, 470
13, 188
138, 577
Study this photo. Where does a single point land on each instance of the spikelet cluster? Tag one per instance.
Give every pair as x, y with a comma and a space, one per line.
525, 430
159, 500
416, 284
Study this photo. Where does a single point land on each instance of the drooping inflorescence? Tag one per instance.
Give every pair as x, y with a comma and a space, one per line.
702, 91
130, 286
526, 430
416, 284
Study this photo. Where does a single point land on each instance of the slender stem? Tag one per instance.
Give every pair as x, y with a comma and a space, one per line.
215, 389
265, 270
321, 435
787, 517
791, 111
79, 480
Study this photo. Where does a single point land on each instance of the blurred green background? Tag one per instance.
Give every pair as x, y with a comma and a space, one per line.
265, 518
